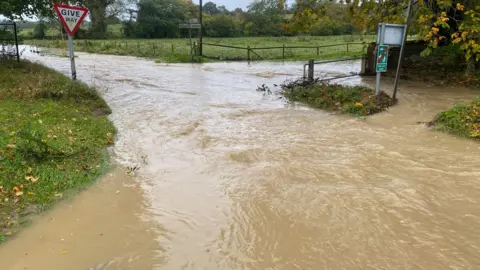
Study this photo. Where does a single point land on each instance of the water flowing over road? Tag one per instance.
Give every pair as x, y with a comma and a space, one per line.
232, 178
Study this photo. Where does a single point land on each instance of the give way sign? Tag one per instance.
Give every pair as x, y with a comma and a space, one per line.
71, 17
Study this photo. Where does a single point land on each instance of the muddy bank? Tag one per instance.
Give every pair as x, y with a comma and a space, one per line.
103, 227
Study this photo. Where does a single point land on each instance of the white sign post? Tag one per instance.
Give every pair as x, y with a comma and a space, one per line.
71, 18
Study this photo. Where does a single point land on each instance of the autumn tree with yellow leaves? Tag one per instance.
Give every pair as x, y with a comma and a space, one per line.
454, 22
439, 22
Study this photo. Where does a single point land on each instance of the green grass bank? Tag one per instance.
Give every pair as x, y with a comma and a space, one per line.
353, 100
462, 120
178, 50
53, 139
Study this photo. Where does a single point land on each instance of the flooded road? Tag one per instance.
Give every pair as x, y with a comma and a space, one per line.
235, 179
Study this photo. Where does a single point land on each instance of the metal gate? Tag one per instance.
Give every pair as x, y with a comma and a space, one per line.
9, 41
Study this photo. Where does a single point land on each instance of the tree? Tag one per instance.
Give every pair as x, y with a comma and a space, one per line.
210, 8
160, 18
15, 9
222, 26
264, 17
440, 22
39, 30
455, 22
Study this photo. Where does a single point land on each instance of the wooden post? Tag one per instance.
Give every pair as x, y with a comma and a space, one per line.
248, 53
311, 66
283, 52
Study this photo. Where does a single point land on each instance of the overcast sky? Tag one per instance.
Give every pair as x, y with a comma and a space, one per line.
231, 4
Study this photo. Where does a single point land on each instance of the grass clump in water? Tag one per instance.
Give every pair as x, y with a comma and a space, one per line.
355, 100
53, 137
462, 120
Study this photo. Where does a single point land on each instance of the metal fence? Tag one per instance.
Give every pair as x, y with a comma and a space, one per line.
218, 51
249, 53
9, 41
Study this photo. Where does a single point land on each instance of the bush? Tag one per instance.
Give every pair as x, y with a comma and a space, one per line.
462, 120
356, 100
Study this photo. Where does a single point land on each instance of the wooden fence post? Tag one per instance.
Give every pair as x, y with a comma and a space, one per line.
248, 53
173, 49
311, 72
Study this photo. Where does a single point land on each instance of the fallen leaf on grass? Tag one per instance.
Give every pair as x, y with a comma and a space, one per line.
11, 146
31, 179
19, 193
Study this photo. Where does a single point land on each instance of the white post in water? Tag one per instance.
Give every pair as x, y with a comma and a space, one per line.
72, 57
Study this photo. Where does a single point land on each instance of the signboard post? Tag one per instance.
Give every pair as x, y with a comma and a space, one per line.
71, 18
192, 24
388, 35
381, 32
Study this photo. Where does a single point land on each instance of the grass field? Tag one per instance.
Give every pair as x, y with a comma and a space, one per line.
53, 139
178, 50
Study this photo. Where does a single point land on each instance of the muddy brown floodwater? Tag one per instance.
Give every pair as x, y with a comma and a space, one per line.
231, 178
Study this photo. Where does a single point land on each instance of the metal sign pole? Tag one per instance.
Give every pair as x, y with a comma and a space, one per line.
379, 74
402, 50
72, 57
16, 41
200, 50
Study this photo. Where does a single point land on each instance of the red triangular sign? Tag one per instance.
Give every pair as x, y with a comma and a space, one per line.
71, 17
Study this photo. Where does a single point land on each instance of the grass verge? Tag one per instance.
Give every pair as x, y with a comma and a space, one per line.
354, 100
462, 120
53, 139
178, 50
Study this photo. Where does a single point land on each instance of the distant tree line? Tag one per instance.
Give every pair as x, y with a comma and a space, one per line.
161, 19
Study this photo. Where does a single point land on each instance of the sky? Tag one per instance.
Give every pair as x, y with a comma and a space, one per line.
231, 4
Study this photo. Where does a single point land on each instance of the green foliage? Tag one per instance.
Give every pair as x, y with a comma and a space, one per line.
355, 100
462, 120
222, 26
52, 141
327, 27
14, 9
39, 31
160, 18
